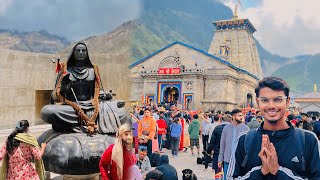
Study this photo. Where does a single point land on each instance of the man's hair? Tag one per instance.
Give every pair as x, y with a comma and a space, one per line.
304, 114
142, 150
260, 117
235, 111
216, 118
274, 83
154, 174
196, 116
290, 117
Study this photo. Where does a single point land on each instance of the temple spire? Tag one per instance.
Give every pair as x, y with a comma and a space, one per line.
315, 87
235, 13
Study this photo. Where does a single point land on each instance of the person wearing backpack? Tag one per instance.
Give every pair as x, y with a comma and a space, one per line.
276, 150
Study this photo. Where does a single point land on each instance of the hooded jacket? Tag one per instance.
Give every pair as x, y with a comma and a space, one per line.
289, 156
169, 172
194, 129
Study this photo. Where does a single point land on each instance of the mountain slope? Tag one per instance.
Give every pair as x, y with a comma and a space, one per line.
40, 41
301, 75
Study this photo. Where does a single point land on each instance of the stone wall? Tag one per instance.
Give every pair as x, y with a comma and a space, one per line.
27, 80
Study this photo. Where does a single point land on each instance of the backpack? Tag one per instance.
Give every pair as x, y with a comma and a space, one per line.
250, 137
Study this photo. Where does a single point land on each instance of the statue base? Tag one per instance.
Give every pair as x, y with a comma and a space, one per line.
74, 153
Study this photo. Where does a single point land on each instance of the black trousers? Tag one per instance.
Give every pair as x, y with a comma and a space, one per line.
205, 141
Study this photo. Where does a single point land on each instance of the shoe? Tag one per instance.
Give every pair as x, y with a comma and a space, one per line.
185, 150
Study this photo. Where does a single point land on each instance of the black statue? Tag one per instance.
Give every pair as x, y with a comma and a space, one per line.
84, 118
78, 99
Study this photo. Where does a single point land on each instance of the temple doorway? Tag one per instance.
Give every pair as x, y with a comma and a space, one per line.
249, 100
171, 94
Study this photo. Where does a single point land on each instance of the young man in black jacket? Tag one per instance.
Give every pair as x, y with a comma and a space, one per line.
214, 144
276, 150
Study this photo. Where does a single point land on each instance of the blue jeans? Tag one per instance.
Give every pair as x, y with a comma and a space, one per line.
160, 141
175, 142
225, 169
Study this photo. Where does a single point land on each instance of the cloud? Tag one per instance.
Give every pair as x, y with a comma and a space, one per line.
74, 19
286, 27
4, 5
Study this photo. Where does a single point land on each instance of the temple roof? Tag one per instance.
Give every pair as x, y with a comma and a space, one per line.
235, 24
198, 50
312, 95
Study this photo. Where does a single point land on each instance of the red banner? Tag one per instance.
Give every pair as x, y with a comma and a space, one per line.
169, 71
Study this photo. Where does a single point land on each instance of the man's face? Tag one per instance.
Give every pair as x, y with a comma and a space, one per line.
142, 155
80, 52
273, 104
127, 137
238, 117
304, 118
146, 113
259, 120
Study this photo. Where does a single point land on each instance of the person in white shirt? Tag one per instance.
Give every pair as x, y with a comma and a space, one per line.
213, 125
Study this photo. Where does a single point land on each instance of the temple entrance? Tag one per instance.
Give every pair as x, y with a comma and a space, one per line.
249, 100
171, 94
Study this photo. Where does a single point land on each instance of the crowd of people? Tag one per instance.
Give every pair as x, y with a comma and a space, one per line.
267, 143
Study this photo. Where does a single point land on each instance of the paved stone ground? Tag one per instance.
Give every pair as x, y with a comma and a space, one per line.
184, 161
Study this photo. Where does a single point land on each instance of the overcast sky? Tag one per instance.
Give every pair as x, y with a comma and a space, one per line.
285, 27
73, 19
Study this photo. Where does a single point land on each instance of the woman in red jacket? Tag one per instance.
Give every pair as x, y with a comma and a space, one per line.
162, 130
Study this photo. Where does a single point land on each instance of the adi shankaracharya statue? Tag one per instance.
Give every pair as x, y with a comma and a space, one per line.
78, 99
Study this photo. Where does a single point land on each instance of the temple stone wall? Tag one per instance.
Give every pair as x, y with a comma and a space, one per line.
27, 80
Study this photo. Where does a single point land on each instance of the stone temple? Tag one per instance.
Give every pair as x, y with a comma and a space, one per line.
224, 77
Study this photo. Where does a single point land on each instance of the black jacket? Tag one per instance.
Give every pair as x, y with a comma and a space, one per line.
169, 172
214, 143
289, 157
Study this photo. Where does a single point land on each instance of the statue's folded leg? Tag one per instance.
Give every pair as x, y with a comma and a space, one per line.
62, 117
110, 117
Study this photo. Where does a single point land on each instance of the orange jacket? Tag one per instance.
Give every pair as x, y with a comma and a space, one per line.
148, 124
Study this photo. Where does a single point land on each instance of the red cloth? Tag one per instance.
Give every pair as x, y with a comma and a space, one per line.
129, 159
182, 135
294, 121
162, 126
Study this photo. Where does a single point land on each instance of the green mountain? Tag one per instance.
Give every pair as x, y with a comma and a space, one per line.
301, 75
180, 20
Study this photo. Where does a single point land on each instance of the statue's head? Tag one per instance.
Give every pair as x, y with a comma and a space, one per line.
80, 52
79, 56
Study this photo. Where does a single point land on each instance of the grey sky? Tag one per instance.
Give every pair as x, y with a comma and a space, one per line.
74, 19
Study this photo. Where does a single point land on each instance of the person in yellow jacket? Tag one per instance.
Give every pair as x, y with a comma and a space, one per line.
146, 131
